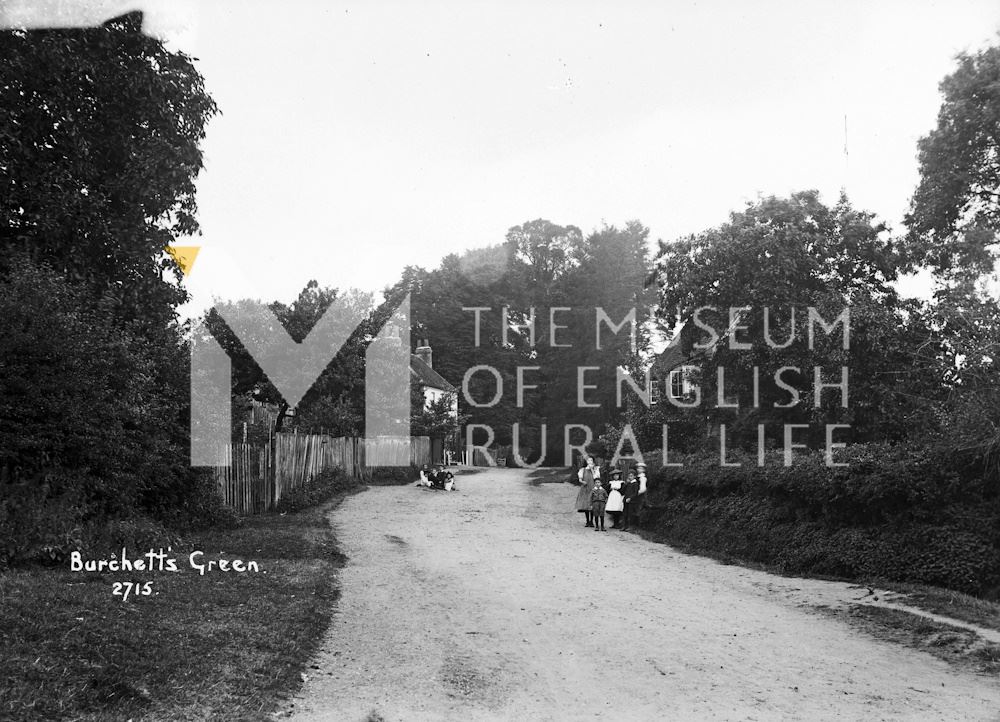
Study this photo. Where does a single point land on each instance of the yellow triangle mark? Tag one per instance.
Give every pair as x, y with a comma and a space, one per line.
184, 255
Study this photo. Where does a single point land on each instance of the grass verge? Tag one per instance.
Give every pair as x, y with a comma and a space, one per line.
955, 645
949, 603
224, 645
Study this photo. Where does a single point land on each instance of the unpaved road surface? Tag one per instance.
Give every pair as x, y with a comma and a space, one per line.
496, 603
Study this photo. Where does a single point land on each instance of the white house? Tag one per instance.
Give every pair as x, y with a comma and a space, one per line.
434, 385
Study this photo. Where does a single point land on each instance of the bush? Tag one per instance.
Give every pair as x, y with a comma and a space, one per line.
200, 506
315, 491
46, 531
894, 513
39, 524
89, 418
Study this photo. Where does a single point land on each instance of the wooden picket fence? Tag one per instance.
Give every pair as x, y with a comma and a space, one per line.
258, 476
390, 451
246, 484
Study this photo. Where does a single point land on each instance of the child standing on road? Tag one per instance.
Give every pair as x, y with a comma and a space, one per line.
590, 476
598, 497
633, 493
615, 504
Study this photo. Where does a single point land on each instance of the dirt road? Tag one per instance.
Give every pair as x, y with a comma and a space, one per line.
496, 603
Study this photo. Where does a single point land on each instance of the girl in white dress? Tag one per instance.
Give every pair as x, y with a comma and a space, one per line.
615, 504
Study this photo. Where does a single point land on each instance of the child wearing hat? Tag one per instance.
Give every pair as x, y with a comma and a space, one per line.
633, 493
615, 504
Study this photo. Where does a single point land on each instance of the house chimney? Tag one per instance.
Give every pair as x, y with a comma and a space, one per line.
425, 354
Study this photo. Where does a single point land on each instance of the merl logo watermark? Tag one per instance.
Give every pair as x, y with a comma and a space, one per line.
294, 367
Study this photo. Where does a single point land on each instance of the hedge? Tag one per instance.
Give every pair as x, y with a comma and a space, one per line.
317, 490
42, 523
895, 513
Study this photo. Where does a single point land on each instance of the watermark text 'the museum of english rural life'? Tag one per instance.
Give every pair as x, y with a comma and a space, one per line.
293, 368
730, 331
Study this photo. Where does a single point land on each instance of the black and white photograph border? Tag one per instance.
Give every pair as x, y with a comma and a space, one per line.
554, 361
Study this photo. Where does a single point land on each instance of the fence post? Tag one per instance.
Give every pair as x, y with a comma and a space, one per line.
272, 455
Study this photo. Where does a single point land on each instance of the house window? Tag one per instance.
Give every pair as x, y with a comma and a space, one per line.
678, 389
655, 391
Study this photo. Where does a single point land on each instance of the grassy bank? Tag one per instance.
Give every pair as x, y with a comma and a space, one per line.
223, 645
955, 645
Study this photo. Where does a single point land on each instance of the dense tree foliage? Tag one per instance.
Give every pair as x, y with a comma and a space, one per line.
436, 418
955, 211
771, 263
965, 356
437, 298
87, 431
100, 133
335, 401
953, 223
99, 150
559, 278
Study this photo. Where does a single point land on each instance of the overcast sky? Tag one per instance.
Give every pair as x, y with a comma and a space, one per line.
359, 138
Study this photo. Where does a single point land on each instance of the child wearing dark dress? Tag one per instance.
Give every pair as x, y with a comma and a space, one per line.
634, 493
598, 497
589, 476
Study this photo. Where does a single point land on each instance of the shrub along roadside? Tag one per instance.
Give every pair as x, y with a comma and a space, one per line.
225, 645
321, 487
91, 433
894, 513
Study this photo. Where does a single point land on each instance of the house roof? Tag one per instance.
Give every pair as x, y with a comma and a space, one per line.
671, 357
687, 335
427, 376
679, 351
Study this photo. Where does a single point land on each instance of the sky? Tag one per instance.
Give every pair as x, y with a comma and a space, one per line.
358, 138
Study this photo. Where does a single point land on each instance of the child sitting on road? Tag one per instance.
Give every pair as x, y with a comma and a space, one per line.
445, 478
598, 498
437, 478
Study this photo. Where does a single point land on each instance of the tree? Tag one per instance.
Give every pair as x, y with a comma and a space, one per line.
964, 415
335, 401
541, 265
540, 253
955, 211
953, 221
479, 278
436, 418
337, 416
99, 151
783, 256
607, 278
